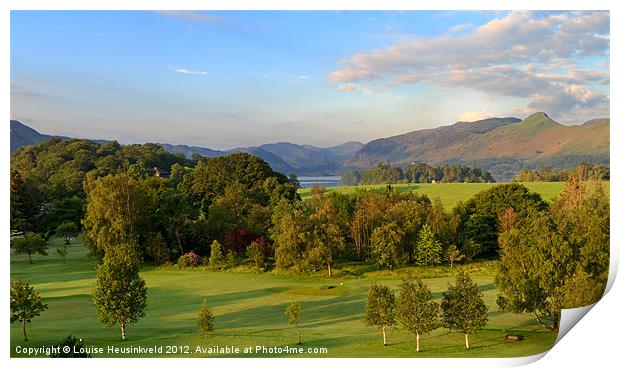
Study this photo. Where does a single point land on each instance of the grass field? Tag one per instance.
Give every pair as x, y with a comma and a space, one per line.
451, 193
249, 310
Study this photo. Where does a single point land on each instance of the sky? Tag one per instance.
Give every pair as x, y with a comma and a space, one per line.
225, 79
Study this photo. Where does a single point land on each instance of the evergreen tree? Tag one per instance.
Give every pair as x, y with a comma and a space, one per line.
205, 318
428, 249
463, 307
216, 258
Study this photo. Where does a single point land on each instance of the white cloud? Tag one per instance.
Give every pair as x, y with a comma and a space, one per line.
189, 71
520, 54
286, 77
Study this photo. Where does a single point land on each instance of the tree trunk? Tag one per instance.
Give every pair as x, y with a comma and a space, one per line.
384, 336
179, 241
24, 330
544, 324
467, 341
556, 322
123, 335
417, 342
329, 270
298, 335
29, 258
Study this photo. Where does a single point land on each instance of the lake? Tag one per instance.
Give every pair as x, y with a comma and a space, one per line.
324, 181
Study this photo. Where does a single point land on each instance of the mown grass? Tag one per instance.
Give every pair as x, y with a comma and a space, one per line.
249, 310
450, 193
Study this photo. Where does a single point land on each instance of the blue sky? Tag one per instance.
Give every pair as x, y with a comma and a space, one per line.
242, 78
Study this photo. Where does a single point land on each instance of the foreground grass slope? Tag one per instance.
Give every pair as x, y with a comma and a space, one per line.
249, 309
450, 193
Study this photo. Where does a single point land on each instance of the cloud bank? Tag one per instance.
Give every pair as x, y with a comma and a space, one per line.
542, 57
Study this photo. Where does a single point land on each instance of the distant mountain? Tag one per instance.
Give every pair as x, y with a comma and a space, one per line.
276, 163
310, 160
283, 156
500, 145
188, 151
23, 135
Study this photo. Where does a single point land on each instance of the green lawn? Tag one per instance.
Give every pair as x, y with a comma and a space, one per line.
249, 309
451, 193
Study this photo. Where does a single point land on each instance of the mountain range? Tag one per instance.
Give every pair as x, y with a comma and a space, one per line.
501, 145
284, 157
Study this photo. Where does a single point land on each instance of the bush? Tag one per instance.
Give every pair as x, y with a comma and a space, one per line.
231, 259
76, 345
188, 260
217, 255
255, 254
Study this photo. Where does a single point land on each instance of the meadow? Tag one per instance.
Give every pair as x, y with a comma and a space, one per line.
249, 310
450, 193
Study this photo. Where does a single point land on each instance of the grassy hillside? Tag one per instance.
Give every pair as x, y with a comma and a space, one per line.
450, 193
494, 143
249, 311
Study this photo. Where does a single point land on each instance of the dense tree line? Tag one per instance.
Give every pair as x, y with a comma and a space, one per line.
416, 173
229, 199
47, 178
589, 171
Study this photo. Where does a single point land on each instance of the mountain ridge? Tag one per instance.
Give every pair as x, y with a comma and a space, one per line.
501, 145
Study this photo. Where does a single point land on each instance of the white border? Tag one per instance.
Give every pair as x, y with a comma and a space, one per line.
592, 342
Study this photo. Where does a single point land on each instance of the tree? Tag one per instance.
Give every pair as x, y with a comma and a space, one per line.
255, 254
294, 310
386, 243
328, 230
479, 215
289, 234
25, 304
62, 252
428, 249
216, 258
205, 318
453, 254
115, 212
415, 309
380, 309
463, 307
25, 200
67, 230
30, 244
555, 259
120, 291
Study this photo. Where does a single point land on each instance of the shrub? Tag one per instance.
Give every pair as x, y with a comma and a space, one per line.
216, 258
77, 348
188, 260
231, 259
255, 254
